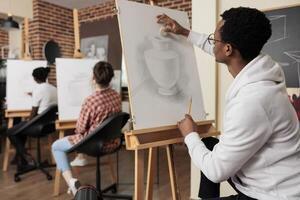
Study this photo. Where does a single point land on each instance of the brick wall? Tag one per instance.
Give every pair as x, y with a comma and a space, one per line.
51, 22
96, 12
105, 10
54, 22
3, 42
183, 5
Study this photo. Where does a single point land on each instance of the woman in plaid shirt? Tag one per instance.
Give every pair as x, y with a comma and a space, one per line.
95, 109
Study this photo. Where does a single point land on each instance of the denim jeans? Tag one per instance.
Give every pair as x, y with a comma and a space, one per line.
59, 149
211, 191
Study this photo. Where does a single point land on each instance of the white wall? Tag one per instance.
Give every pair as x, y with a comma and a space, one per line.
205, 15
15, 41
206, 67
20, 8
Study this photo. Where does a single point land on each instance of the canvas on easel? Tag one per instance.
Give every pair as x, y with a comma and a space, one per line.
162, 81
162, 71
74, 84
20, 82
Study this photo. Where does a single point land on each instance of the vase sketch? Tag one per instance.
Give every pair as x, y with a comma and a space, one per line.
79, 88
163, 65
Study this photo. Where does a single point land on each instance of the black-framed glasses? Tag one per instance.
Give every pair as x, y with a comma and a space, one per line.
211, 39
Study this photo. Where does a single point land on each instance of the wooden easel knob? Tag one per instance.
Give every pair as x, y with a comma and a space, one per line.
78, 54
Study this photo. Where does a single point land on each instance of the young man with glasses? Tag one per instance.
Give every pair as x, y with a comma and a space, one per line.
259, 149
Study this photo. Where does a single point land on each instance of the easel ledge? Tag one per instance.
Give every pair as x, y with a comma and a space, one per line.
17, 113
139, 140
65, 124
165, 135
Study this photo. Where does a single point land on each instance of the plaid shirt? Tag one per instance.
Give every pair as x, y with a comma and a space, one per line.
95, 109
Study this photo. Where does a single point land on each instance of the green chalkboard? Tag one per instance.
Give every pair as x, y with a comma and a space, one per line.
284, 44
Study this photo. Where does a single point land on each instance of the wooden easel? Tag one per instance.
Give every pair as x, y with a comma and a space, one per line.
26, 55
10, 115
77, 52
139, 140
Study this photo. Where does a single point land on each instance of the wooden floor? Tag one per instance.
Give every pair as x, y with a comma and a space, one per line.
34, 185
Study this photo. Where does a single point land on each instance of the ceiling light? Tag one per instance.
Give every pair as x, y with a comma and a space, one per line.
9, 24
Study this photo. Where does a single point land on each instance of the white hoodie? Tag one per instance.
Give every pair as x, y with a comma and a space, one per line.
260, 143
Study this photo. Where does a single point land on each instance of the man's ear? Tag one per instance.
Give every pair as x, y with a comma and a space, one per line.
228, 50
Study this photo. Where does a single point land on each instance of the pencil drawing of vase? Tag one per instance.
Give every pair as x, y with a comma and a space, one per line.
79, 88
163, 65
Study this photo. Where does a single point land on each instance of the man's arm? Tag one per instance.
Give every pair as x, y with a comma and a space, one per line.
34, 112
245, 132
171, 26
197, 39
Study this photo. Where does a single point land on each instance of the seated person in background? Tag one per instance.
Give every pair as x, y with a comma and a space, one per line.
43, 96
95, 109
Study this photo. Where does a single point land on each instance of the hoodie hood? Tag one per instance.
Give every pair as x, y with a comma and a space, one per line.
261, 68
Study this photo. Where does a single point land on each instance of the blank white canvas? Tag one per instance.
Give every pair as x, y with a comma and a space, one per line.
151, 104
19, 82
74, 84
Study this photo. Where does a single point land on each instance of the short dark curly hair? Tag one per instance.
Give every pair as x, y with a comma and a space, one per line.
247, 29
41, 73
103, 73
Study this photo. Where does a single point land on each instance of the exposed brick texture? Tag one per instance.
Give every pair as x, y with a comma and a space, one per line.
104, 10
3, 42
97, 12
51, 22
54, 22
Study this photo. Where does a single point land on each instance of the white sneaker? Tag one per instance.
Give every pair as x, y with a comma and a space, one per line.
74, 184
79, 162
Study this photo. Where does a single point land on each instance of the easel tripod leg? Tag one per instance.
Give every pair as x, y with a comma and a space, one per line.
57, 172
151, 171
173, 178
57, 182
7, 146
139, 175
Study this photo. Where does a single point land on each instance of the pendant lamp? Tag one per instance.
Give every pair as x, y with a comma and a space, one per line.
9, 24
